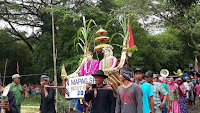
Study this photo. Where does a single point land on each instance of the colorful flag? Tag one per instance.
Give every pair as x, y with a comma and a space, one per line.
17, 68
131, 40
196, 65
63, 72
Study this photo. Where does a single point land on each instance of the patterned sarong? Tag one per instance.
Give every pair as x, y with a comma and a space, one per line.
113, 80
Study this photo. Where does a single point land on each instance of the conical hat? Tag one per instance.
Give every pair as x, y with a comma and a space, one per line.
63, 72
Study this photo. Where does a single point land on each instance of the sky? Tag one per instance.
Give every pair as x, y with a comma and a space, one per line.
153, 30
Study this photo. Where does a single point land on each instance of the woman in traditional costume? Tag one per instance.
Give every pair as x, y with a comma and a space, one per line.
109, 61
182, 94
107, 64
90, 66
174, 96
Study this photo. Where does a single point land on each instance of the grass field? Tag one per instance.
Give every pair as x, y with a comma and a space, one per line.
32, 103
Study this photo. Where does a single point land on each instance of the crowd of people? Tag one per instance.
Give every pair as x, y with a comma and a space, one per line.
31, 89
147, 93
12, 102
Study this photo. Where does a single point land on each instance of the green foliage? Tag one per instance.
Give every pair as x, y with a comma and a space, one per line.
183, 3
88, 37
134, 48
63, 103
166, 50
14, 51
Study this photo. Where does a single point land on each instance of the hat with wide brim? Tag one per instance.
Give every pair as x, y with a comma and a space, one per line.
100, 73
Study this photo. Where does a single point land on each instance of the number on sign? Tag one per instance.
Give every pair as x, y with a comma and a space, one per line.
80, 92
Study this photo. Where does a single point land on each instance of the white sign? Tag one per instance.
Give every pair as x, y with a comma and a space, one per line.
75, 87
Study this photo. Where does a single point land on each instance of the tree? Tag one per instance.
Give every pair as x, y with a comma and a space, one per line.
182, 15
15, 51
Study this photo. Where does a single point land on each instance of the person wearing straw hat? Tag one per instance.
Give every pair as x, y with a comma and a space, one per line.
129, 95
8, 105
102, 97
18, 90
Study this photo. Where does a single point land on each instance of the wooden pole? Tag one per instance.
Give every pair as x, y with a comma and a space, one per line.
59, 87
4, 77
54, 58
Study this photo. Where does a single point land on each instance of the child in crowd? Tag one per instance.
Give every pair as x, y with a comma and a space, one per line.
27, 92
34, 91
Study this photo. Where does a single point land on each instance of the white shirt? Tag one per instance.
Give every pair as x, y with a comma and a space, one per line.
189, 85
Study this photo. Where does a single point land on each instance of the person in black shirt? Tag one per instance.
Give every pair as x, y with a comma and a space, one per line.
102, 97
47, 104
9, 105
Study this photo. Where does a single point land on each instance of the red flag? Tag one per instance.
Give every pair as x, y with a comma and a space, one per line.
131, 40
196, 65
17, 68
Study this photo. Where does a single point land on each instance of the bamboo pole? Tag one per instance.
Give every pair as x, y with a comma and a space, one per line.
59, 87
4, 77
54, 57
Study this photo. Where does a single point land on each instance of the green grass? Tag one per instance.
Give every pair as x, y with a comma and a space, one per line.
35, 101
31, 101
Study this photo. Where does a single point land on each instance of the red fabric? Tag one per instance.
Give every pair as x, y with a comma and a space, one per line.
195, 77
131, 40
180, 92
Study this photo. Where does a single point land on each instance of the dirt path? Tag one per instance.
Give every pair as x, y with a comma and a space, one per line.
30, 109
35, 109
194, 108
30, 106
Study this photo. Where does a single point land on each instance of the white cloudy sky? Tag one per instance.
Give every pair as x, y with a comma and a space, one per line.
152, 29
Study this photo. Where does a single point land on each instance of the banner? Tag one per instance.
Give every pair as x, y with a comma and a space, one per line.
75, 87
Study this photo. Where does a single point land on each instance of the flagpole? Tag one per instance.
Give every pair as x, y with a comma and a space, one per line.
5, 71
54, 58
196, 64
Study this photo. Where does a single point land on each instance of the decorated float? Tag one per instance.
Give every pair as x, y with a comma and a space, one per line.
76, 82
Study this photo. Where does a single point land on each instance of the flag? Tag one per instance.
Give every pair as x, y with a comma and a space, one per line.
63, 72
17, 69
196, 65
131, 40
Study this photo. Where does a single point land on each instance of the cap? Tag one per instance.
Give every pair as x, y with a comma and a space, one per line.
148, 74
15, 76
44, 77
138, 69
155, 76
